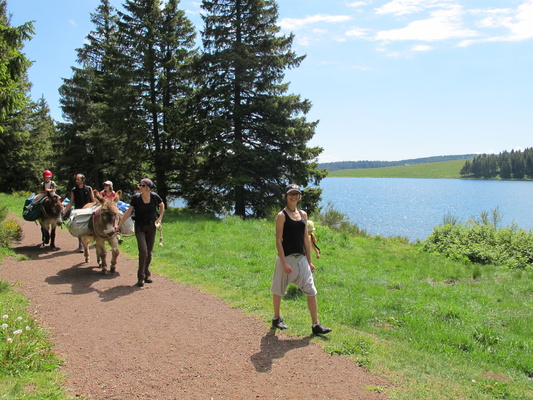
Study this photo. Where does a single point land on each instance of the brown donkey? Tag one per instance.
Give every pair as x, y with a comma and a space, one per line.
51, 208
105, 218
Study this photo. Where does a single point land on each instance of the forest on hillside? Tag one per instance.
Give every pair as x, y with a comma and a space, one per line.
516, 164
339, 165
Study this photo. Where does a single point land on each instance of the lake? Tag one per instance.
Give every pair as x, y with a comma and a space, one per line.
413, 207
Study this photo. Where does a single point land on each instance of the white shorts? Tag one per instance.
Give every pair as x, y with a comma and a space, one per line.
301, 276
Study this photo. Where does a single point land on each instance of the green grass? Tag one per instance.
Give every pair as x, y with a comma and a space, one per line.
437, 170
29, 369
436, 328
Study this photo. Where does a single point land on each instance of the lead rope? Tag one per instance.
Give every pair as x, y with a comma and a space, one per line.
159, 227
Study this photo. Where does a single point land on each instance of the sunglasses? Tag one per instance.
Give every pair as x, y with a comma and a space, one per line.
141, 185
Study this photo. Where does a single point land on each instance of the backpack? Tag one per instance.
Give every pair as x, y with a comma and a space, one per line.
31, 210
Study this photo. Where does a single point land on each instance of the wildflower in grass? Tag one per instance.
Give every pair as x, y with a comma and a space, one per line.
9, 340
5, 326
17, 332
5, 316
19, 318
28, 328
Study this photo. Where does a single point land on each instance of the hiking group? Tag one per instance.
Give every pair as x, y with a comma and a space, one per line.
295, 240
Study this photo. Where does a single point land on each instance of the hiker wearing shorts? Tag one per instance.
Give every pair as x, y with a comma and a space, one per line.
294, 264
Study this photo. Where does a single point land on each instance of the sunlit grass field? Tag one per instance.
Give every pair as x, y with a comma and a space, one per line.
436, 328
437, 170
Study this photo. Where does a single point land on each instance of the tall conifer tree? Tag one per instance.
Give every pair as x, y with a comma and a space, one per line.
13, 63
26, 128
252, 135
102, 134
158, 41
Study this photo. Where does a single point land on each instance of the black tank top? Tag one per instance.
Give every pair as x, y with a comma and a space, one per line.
82, 196
293, 235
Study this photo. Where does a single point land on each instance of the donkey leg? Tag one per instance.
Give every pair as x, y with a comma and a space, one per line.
101, 254
114, 254
53, 238
85, 242
45, 236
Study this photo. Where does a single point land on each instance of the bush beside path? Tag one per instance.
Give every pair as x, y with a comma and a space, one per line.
166, 340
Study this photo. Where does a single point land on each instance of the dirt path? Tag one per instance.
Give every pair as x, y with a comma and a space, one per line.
166, 340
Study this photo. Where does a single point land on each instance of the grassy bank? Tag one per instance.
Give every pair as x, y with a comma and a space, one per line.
437, 170
437, 329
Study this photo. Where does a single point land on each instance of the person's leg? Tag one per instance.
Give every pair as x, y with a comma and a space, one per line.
276, 300
313, 308
317, 328
150, 240
277, 321
143, 254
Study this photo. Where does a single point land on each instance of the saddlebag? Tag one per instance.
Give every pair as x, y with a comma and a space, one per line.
31, 210
80, 222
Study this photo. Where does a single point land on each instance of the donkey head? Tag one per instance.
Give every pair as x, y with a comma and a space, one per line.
51, 208
108, 213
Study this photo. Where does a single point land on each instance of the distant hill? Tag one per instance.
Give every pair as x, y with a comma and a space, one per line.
340, 165
434, 170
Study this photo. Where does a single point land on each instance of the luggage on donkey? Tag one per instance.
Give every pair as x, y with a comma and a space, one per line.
128, 227
80, 222
32, 210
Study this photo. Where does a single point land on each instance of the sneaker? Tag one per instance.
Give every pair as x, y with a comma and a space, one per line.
320, 330
279, 323
140, 283
148, 280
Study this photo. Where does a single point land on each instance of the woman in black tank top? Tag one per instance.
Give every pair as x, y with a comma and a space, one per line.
294, 264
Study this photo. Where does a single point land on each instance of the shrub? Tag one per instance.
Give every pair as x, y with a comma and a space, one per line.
9, 230
480, 241
338, 221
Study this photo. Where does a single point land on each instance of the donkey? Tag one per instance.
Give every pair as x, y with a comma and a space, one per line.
105, 219
51, 208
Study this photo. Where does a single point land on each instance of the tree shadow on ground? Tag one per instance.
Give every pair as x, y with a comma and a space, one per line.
273, 348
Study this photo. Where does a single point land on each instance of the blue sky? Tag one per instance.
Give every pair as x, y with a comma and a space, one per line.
388, 80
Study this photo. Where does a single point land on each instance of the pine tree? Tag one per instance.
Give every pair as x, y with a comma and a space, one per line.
252, 136
101, 137
158, 42
26, 128
13, 64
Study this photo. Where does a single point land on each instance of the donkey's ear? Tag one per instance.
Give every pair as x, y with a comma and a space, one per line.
98, 196
118, 193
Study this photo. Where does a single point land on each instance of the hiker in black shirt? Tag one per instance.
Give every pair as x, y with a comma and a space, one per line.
80, 195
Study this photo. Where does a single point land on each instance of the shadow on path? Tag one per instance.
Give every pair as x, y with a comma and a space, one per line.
82, 280
273, 348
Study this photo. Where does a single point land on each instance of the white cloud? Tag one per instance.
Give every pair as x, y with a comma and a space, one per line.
518, 23
522, 26
402, 7
357, 33
295, 23
422, 47
443, 24
357, 4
